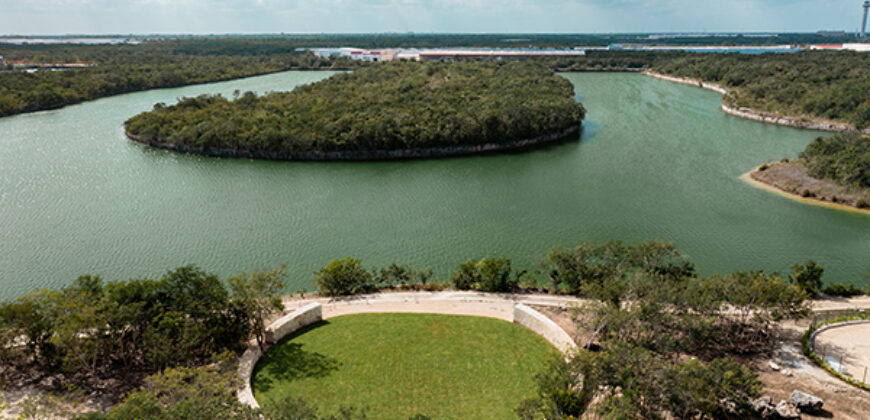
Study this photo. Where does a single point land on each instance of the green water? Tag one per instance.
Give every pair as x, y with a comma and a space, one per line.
657, 160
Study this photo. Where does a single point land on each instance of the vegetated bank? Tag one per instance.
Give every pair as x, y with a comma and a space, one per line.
119, 69
104, 338
394, 110
833, 171
824, 90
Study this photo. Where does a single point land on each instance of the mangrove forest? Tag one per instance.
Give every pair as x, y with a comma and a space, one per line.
459, 107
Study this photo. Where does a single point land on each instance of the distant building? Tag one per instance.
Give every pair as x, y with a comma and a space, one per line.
494, 53
352, 53
842, 47
831, 33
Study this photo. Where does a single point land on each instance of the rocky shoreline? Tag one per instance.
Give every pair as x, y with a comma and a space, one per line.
369, 155
765, 117
790, 178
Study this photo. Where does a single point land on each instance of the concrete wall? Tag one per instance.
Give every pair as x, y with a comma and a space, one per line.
543, 326
293, 321
418, 303
304, 316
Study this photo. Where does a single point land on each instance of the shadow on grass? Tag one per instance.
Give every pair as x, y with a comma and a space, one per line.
288, 361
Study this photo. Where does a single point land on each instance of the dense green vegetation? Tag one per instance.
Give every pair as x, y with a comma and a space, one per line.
653, 311
126, 68
671, 340
399, 365
392, 106
832, 85
93, 333
843, 158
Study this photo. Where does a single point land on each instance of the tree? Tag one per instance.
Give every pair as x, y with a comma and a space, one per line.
486, 275
346, 276
259, 294
808, 277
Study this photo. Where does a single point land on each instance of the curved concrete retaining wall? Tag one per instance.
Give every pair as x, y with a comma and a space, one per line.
277, 330
483, 305
543, 326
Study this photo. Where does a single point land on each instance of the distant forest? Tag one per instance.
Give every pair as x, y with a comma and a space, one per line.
814, 84
392, 106
833, 85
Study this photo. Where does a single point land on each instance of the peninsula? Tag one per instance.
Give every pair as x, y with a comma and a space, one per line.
834, 172
396, 110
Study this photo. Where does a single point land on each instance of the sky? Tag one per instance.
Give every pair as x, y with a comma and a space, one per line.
32, 17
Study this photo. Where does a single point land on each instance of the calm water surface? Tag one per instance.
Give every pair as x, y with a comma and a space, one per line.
657, 160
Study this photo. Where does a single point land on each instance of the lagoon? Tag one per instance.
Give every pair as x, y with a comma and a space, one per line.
656, 160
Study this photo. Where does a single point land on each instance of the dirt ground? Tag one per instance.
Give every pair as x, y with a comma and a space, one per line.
791, 179
842, 401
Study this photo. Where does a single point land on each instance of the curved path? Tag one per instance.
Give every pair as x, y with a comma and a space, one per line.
848, 344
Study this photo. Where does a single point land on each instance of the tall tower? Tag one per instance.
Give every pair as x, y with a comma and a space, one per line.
864, 21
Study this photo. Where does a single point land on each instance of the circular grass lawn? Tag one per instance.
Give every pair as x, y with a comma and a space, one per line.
399, 365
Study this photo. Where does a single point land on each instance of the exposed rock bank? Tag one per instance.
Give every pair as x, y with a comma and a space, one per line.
369, 155
809, 123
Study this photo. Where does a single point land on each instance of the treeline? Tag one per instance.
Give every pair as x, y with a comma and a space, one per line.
843, 158
648, 310
44, 89
391, 106
100, 335
832, 85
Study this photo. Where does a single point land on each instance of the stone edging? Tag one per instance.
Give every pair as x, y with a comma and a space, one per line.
311, 313
368, 155
751, 114
279, 329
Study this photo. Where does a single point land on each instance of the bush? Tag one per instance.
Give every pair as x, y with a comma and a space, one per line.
808, 277
346, 276
843, 290
402, 275
486, 275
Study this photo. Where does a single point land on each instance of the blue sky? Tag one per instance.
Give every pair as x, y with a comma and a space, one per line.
315, 16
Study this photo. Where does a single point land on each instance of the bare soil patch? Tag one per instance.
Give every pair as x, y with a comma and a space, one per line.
792, 178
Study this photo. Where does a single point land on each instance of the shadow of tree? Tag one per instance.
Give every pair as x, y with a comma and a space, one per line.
288, 361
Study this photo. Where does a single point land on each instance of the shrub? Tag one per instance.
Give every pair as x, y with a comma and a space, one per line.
486, 275
843, 290
763, 167
808, 277
346, 276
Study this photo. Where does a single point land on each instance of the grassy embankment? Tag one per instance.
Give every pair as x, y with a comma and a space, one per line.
399, 365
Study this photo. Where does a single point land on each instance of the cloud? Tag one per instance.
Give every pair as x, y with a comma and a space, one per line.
575, 16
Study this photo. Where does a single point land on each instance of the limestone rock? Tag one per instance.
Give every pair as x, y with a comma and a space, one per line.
764, 407
774, 366
787, 410
806, 402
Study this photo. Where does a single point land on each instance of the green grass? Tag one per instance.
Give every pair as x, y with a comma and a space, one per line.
398, 365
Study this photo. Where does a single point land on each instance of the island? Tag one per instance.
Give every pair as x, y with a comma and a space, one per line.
833, 171
396, 110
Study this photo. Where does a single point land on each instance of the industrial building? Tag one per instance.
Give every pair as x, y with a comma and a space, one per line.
494, 53
352, 53
442, 53
842, 47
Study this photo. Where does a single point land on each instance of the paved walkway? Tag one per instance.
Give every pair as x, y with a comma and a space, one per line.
491, 305
849, 343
